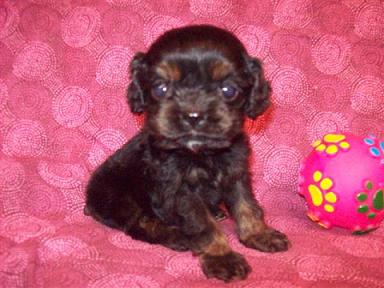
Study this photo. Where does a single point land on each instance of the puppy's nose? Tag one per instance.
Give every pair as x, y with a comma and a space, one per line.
193, 118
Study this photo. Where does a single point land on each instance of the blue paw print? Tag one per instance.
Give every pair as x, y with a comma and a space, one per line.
376, 147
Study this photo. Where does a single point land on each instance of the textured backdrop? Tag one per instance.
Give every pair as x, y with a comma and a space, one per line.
63, 74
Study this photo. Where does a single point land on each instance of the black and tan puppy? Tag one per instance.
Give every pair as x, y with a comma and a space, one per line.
196, 85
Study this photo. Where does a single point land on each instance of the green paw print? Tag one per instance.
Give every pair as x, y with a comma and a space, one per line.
377, 201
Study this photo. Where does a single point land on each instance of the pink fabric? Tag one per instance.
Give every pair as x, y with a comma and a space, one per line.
63, 74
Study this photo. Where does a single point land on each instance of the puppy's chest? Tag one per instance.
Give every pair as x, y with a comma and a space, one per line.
205, 174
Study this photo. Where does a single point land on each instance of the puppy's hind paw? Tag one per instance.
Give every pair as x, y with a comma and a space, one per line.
268, 241
228, 267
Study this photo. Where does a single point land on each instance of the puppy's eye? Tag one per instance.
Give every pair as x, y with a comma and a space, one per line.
160, 90
229, 92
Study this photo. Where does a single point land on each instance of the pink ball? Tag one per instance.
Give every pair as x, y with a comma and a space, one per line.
342, 181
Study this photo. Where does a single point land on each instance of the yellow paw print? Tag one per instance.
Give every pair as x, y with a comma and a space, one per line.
331, 144
322, 194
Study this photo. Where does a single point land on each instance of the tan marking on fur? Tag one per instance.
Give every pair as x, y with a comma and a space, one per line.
220, 69
196, 174
247, 223
169, 71
226, 118
218, 245
149, 225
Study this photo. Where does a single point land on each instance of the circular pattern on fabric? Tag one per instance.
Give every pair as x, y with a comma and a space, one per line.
79, 67
256, 40
111, 105
40, 200
291, 14
97, 155
368, 96
13, 261
64, 145
335, 18
210, 8
368, 58
182, 282
170, 7
120, 240
281, 166
12, 175
296, 226
56, 248
75, 214
123, 27
124, 3
35, 61
257, 12
110, 138
72, 106
275, 200
181, 265
290, 86
356, 282
25, 138
317, 267
329, 93
6, 57
289, 125
3, 94
62, 175
323, 123
271, 284
266, 268
61, 274
21, 227
39, 22
80, 26
9, 19
29, 100
157, 25
123, 280
91, 270
369, 21
113, 67
288, 48
360, 247
256, 166
331, 54
363, 126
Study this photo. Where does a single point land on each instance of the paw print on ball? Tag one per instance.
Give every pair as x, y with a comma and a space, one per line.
377, 200
376, 147
320, 192
331, 144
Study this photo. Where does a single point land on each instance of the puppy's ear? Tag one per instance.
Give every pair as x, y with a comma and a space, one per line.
135, 93
258, 97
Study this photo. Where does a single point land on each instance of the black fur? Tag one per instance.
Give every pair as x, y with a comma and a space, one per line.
167, 183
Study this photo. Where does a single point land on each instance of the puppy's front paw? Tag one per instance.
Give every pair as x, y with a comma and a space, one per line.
268, 241
228, 267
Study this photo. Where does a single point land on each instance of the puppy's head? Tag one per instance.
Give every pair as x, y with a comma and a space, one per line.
196, 84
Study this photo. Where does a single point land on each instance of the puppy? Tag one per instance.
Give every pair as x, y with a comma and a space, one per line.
165, 186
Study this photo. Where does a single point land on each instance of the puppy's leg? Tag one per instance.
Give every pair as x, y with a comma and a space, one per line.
251, 228
209, 242
154, 231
